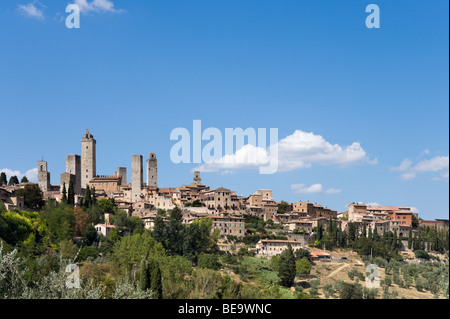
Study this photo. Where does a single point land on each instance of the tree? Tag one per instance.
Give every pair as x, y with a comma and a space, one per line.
283, 207
287, 268
68, 249
131, 250
3, 179
13, 180
32, 196
64, 193
208, 261
94, 196
81, 221
24, 180
60, 220
207, 284
106, 206
421, 254
410, 239
87, 197
302, 253
144, 277
156, 281
350, 291
91, 235
71, 194
303, 266
159, 230
176, 232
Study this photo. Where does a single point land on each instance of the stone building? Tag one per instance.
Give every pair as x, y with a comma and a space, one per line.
66, 178
269, 248
73, 166
152, 170
107, 184
136, 178
88, 158
229, 225
122, 173
43, 177
307, 209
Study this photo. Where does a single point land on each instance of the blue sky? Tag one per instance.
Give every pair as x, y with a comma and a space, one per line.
137, 70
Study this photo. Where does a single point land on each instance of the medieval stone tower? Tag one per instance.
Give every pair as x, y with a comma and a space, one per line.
197, 179
73, 166
136, 177
122, 173
43, 176
152, 170
88, 158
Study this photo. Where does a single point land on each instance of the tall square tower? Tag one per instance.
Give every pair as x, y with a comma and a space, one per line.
43, 176
136, 177
73, 166
152, 170
88, 158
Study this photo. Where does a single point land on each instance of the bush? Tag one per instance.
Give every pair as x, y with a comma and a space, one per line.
208, 261
421, 254
87, 252
303, 266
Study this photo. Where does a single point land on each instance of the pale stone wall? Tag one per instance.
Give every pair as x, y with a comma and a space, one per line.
43, 176
152, 170
121, 172
136, 177
73, 166
88, 159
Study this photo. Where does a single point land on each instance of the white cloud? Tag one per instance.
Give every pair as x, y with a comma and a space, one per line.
438, 164
31, 174
96, 6
297, 151
31, 10
313, 189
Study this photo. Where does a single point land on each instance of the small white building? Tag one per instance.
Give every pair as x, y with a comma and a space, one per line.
104, 229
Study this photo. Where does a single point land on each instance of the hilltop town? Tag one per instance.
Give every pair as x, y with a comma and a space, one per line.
256, 226
144, 199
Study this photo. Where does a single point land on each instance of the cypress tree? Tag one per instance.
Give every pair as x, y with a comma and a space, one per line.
394, 243
156, 281
64, 193
144, 280
71, 194
3, 179
375, 233
286, 267
13, 180
87, 197
410, 241
94, 196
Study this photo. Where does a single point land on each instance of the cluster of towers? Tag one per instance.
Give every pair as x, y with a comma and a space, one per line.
81, 170
137, 176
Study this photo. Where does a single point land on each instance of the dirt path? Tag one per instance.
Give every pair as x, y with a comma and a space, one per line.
337, 270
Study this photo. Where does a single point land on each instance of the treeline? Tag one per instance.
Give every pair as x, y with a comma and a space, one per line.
365, 240
430, 239
190, 240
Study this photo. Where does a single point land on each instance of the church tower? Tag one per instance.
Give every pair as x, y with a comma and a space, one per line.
152, 170
88, 158
43, 176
